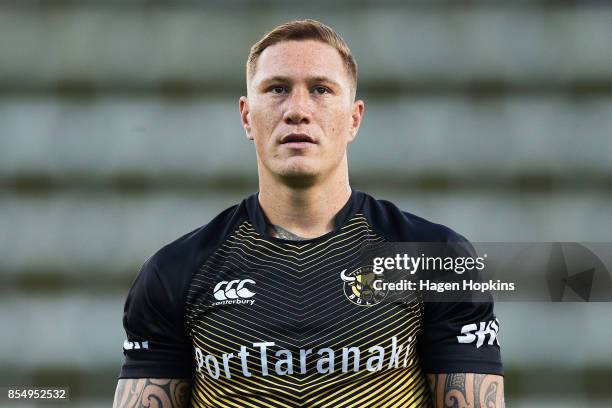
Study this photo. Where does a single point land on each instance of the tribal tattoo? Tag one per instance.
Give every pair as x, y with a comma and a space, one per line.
152, 393
466, 390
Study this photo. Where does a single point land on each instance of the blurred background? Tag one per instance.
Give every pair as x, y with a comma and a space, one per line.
119, 131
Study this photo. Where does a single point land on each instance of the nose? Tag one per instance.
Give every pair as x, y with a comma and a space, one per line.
297, 109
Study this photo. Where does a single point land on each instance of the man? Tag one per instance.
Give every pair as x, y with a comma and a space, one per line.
263, 306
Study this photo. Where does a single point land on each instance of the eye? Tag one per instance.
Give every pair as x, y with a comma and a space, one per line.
277, 89
321, 90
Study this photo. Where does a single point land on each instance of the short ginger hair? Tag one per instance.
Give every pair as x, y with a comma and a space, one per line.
300, 30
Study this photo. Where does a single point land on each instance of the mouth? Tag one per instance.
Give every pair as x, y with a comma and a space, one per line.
297, 140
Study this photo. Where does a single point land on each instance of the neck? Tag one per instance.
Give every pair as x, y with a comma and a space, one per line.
307, 212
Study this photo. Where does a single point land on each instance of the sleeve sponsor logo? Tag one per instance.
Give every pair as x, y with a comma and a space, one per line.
480, 332
135, 345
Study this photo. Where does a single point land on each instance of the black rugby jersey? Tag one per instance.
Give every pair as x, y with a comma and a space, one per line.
258, 321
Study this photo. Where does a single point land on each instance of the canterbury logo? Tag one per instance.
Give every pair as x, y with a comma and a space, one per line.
233, 289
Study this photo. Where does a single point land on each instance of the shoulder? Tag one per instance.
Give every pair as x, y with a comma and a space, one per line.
397, 225
173, 264
199, 241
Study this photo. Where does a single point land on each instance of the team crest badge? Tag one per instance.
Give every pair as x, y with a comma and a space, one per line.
359, 286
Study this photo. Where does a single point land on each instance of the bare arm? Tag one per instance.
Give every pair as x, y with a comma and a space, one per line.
152, 392
467, 390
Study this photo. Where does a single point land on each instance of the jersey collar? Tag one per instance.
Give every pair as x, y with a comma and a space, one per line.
260, 222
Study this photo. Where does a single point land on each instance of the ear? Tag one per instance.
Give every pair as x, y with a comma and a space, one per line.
245, 116
356, 117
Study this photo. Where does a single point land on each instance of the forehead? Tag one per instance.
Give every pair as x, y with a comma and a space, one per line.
297, 59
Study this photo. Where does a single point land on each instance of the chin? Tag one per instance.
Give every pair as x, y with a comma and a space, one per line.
299, 167
299, 176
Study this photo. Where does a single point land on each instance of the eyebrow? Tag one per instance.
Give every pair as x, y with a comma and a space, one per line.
280, 78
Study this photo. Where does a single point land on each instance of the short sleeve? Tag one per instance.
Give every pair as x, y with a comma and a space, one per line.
461, 336
157, 345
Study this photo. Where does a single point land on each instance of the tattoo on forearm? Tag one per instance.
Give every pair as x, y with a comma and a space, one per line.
152, 393
466, 390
